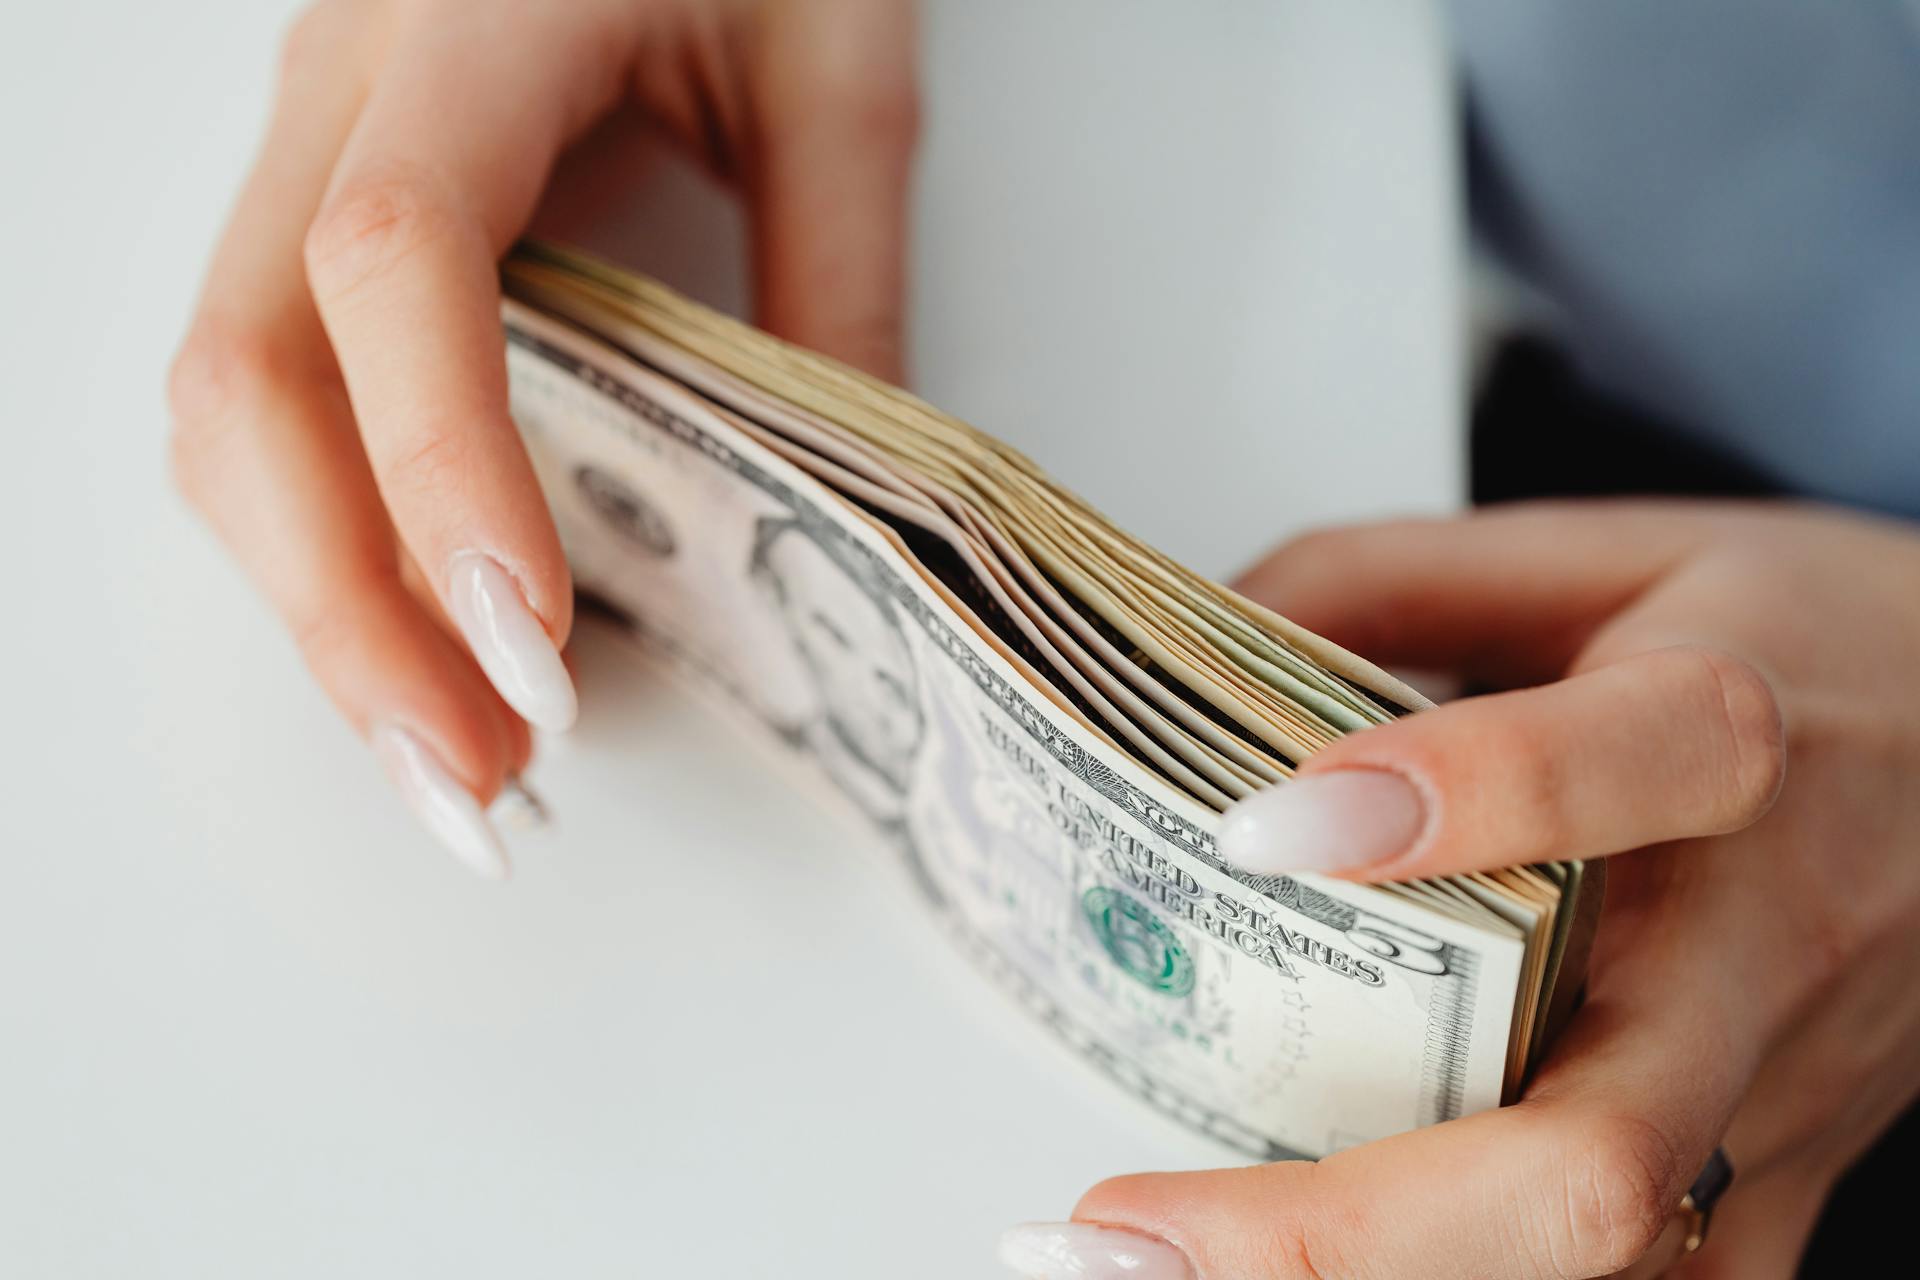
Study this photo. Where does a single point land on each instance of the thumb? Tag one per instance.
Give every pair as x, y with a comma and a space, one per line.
1580, 1179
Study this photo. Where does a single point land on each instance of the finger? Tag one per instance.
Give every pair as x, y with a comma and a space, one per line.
265, 447
402, 261
1510, 593
1577, 1180
513, 729
1665, 745
836, 116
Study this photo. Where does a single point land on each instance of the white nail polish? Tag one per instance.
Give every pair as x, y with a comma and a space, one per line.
518, 807
1327, 822
1086, 1251
443, 806
511, 644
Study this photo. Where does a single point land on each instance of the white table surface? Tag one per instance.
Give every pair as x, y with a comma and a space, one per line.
252, 1024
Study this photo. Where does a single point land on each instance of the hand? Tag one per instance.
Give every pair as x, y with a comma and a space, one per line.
341, 397
1753, 982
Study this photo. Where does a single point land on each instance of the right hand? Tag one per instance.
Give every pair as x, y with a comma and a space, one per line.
341, 397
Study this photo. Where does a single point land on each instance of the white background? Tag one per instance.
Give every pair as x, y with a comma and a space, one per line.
1197, 260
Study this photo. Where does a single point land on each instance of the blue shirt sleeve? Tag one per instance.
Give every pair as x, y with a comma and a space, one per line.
1723, 199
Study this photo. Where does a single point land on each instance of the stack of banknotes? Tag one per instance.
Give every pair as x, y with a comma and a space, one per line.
1037, 716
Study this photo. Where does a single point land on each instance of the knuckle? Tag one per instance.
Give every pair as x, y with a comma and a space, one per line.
1755, 732
220, 370
369, 227
221, 376
1618, 1183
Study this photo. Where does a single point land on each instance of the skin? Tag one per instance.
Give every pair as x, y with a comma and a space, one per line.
1720, 697
341, 400
1717, 696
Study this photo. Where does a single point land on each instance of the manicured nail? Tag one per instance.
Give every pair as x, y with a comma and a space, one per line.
518, 807
512, 646
1330, 822
1085, 1251
444, 806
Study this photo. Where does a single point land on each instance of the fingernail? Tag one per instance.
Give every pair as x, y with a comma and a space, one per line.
1086, 1251
1329, 822
518, 807
511, 644
444, 806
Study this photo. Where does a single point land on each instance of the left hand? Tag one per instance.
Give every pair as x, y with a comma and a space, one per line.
341, 400
1753, 981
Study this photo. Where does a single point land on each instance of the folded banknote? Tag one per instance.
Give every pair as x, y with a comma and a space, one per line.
1036, 716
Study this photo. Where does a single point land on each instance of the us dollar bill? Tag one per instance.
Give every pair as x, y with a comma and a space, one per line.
1282, 1016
